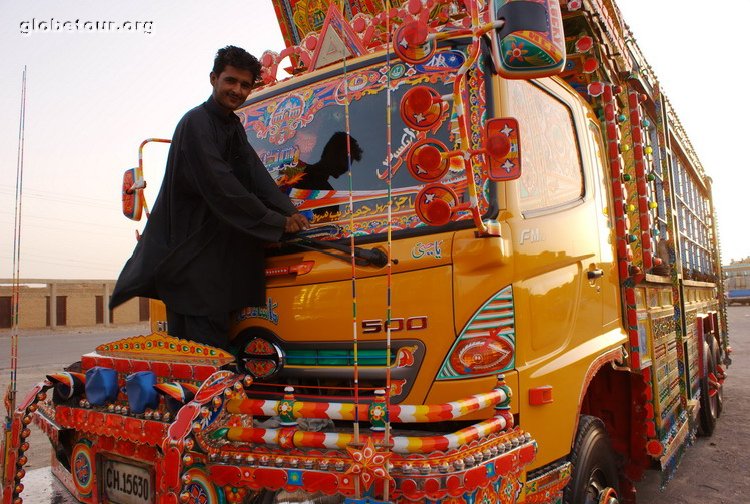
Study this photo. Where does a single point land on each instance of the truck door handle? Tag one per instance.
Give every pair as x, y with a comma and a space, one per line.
594, 274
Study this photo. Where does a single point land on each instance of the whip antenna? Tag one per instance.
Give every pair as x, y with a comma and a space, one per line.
355, 339
16, 288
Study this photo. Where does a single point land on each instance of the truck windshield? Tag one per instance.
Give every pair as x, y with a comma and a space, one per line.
300, 135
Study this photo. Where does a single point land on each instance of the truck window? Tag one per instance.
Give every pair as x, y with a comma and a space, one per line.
552, 171
290, 132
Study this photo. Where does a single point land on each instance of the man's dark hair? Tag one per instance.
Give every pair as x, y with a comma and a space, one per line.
238, 58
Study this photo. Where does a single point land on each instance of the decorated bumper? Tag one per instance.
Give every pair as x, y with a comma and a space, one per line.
200, 439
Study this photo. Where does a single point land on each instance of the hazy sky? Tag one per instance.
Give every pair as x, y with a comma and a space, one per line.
92, 96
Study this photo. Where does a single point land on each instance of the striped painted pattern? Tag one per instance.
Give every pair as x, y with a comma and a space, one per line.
398, 413
340, 440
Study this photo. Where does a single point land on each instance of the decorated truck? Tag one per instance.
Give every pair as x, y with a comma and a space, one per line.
737, 282
512, 293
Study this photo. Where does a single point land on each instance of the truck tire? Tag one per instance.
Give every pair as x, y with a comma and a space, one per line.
595, 473
711, 405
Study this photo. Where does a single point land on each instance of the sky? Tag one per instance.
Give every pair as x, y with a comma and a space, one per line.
93, 96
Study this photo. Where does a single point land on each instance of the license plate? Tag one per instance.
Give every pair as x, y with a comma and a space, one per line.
125, 483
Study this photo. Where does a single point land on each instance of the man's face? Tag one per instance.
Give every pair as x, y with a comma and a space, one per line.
231, 87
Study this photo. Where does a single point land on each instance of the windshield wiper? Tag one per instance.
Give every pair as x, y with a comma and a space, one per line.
362, 257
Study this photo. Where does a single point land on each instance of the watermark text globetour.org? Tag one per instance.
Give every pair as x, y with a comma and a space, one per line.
53, 25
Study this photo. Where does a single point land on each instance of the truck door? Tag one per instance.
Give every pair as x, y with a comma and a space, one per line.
610, 284
556, 220
557, 227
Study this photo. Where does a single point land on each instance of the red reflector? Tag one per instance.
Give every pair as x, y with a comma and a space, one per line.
302, 268
421, 99
540, 395
429, 159
498, 146
439, 212
416, 33
654, 448
481, 355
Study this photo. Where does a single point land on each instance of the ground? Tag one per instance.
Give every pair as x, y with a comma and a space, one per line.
715, 470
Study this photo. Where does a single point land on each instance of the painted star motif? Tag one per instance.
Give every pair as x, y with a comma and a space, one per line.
507, 130
421, 170
429, 197
516, 52
369, 464
508, 165
419, 118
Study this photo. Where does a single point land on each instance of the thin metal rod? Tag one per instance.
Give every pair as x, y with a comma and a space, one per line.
355, 336
16, 290
389, 270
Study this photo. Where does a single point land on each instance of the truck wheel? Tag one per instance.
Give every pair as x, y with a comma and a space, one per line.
712, 396
595, 477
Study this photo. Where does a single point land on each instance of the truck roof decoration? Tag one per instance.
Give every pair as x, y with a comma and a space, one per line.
615, 58
319, 32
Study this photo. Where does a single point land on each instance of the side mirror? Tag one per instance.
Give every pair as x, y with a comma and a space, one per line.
531, 42
132, 194
503, 147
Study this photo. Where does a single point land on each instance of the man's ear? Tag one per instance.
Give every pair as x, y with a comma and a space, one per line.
213, 78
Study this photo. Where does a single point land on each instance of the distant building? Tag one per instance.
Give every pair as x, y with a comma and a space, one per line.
74, 303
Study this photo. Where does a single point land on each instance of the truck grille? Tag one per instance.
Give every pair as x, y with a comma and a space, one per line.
325, 371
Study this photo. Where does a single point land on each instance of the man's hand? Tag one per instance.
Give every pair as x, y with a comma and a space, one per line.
295, 223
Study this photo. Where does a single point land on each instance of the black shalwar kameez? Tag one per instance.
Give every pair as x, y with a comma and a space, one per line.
202, 250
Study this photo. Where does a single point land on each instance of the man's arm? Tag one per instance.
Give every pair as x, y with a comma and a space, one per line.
266, 189
228, 199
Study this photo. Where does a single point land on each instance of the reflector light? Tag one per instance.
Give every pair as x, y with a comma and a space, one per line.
421, 99
498, 146
486, 345
421, 108
415, 33
435, 204
412, 43
301, 268
425, 160
481, 355
540, 395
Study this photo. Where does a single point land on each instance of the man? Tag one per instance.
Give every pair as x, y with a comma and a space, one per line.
202, 251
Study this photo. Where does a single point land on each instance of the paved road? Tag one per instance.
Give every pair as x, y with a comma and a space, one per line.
715, 470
